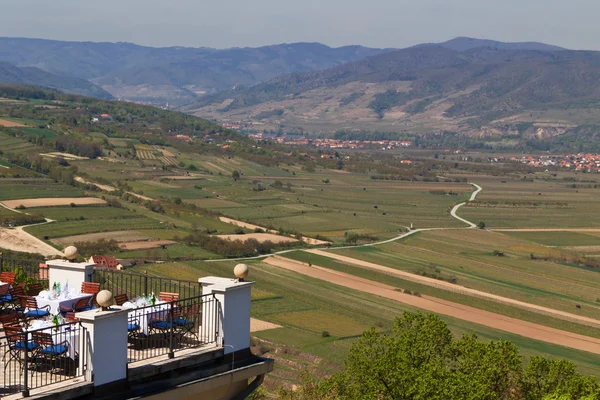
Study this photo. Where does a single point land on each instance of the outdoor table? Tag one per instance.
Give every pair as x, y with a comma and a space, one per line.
64, 334
142, 315
65, 300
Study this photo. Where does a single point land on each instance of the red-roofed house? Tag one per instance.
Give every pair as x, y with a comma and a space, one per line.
104, 261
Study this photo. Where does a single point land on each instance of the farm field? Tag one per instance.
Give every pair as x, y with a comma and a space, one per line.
573, 239
306, 306
533, 203
68, 228
468, 257
16, 145
28, 188
53, 201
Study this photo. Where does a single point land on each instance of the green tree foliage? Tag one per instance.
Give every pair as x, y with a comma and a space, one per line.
481, 225
421, 360
352, 237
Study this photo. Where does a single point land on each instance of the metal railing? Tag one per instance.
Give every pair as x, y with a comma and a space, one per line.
136, 285
164, 328
40, 357
28, 269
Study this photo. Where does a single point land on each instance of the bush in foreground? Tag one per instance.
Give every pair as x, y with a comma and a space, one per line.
420, 359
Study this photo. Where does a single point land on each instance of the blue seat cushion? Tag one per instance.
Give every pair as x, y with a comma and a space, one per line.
55, 350
36, 313
182, 321
6, 297
132, 327
21, 346
161, 325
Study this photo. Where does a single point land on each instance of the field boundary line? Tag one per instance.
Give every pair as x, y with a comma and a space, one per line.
466, 313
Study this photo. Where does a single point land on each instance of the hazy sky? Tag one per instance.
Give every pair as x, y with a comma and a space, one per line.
376, 23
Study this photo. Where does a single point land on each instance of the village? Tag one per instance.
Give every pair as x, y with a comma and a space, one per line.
330, 143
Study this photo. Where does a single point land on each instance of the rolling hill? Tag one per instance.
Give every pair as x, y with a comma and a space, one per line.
172, 74
31, 75
481, 91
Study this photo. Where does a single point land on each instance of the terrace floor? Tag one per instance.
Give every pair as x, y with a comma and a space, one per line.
57, 376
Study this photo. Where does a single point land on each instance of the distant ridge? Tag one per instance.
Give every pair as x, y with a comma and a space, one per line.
466, 43
30, 75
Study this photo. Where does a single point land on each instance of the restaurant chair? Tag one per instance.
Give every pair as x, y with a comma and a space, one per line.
31, 309
4, 296
13, 298
70, 316
8, 277
162, 326
83, 304
48, 350
90, 287
121, 299
17, 344
11, 319
168, 296
34, 289
187, 321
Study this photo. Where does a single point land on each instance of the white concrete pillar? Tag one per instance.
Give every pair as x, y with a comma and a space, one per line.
233, 320
105, 341
72, 272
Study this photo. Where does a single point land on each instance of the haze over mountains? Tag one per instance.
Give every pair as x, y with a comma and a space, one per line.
513, 91
172, 74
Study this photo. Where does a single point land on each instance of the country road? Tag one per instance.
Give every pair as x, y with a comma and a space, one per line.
16, 239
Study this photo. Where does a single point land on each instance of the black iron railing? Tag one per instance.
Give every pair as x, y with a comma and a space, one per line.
136, 285
40, 357
166, 327
25, 269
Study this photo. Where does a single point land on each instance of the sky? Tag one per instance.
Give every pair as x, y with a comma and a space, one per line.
239, 23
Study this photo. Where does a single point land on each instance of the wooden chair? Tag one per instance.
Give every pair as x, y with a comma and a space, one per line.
11, 319
70, 317
13, 297
90, 287
34, 289
48, 351
17, 344
31, 309
168, 296
121, 299
8, 277
83, 304
187, 321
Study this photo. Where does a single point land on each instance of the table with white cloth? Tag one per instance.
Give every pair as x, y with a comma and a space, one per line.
64, 334
142, 315
67, 300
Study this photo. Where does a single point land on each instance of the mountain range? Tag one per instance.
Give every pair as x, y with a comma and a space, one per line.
31, 75
476, 87
172, 74
520, 91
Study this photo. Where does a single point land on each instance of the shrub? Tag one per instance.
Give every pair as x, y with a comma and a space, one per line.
325, 334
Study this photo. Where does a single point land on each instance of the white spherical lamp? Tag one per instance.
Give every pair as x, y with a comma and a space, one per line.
241, 271
105, 299
71, 252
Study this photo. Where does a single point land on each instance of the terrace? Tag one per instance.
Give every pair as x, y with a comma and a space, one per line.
139, 346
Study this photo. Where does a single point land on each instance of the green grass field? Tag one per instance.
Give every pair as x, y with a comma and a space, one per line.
31, 188
537, 203
557, 238
47, 133
468, 256
307, 306
68, 228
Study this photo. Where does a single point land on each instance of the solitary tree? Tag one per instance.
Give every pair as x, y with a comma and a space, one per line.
352, 237
481, 225
235, 174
